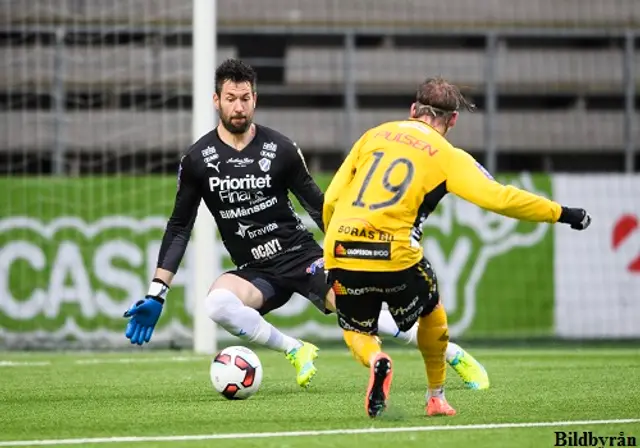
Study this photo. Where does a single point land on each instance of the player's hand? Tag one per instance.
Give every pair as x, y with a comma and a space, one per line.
316, 266
144, 314
577, 218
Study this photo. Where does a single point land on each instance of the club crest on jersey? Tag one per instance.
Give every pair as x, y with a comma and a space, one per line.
264, 164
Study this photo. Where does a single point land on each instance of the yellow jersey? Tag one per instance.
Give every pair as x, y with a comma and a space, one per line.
392, 179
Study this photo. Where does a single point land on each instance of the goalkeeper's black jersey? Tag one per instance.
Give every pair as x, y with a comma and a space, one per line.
247, 194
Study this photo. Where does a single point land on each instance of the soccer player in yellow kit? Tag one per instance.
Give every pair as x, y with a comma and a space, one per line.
392, 179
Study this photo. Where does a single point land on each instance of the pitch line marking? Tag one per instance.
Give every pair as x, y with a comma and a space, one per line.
196, 358
329, 432
99, 361
24, 363
141, 360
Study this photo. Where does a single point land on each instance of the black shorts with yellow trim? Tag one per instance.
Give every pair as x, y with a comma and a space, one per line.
409, 294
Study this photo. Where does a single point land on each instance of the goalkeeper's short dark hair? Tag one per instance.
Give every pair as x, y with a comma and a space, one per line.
236, 71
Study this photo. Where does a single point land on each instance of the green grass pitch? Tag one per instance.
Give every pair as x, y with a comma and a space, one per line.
45, 396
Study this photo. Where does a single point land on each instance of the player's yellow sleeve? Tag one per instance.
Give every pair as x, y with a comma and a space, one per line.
467, 179
339, 183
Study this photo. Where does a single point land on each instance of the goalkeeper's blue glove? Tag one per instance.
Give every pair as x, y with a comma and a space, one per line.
145, 313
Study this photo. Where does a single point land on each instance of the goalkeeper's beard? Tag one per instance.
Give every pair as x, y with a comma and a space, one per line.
241, 128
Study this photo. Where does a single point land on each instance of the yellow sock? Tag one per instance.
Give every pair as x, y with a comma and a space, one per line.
433, 337
363, 346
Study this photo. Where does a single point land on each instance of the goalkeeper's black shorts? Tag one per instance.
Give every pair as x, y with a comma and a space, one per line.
278, 278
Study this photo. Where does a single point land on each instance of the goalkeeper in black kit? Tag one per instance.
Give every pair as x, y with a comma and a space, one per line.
244, 172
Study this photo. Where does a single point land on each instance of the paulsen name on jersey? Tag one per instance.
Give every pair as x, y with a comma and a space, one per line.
247, 194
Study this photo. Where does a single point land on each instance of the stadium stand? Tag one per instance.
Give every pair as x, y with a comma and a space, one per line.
126, 131
556, 95
538, 70
336, 13
104, 67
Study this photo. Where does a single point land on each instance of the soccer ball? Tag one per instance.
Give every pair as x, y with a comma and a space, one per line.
236, 373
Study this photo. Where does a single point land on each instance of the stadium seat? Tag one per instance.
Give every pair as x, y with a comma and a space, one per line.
397, 69
521, 131
100, 67
149, 66
107, 12
314, 130
363, 13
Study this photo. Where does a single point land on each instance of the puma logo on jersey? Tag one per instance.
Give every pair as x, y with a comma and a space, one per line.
215, 166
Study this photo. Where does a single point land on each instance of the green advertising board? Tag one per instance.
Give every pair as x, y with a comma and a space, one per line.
74, 253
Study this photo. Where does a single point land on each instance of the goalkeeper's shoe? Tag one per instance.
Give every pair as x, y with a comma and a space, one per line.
302, 359
470, 370
439, 406
375, 402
